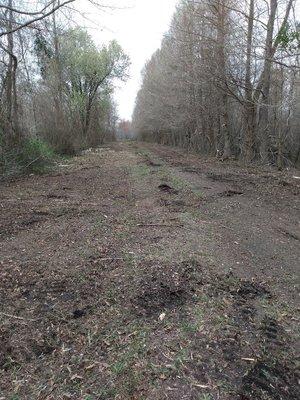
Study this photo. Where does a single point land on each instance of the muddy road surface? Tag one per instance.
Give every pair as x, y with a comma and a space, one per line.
139, 271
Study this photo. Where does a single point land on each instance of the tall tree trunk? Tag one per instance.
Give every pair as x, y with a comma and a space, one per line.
249, 138
264, 127
57, 65
12, 117
222, 15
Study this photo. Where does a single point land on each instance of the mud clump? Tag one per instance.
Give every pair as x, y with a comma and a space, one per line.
31, 221
79, 314
151, 163
269, 380
231, 193
161, 288
240, 290
158, 298
167, 189
273, 334
251, 290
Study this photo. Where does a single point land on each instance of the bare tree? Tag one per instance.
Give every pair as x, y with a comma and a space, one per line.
217, 85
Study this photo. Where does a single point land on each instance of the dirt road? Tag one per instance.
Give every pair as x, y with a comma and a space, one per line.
141, 272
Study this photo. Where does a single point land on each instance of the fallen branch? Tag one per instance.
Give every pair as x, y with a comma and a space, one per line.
17, 317
160, 225
32, 162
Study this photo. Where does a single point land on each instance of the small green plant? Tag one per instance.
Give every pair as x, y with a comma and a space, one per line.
36, 155
120, 366
31, 155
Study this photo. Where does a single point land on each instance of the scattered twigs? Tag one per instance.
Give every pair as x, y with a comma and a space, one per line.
17, 317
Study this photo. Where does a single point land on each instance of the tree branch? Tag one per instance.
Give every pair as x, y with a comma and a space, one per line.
32, 21
23, 12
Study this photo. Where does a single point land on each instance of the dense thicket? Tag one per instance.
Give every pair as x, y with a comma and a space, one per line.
56, 84
226, 81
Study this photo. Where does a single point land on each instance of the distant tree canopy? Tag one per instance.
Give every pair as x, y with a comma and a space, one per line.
226, 81
57, 83
124, 130
83, 75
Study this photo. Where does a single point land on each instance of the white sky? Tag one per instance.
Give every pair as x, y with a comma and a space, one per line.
138, 27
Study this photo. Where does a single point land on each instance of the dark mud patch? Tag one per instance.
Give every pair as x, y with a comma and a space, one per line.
164, 287
159, 297
242, 293
78, 314
13, 352
42, 348
167, 189
239, 336
272, 332
230, 193
269, 380
240, 290
251, 290
33, 220
152, 163
57, 196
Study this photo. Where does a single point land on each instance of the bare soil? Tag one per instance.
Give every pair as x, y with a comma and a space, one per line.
139, 271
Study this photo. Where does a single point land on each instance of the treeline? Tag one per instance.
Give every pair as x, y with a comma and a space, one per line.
56, 84
226, 82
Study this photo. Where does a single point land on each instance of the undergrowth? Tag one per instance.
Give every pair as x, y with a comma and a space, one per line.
32, 156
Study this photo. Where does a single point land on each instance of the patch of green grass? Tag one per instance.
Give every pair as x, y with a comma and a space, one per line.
120, 366
143, 152
122, 235
133, 350
104, 394
189, 327
167, 174
205, 397
195, 321
99, 221
111, 294
140, 171
189, 216
128, 220
181, 357
130, 260
197, 192
196, 213
179, 183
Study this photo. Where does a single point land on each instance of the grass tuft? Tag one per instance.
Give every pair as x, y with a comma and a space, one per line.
32, 156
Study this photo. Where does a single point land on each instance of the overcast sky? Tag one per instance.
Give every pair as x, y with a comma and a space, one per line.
139, 28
